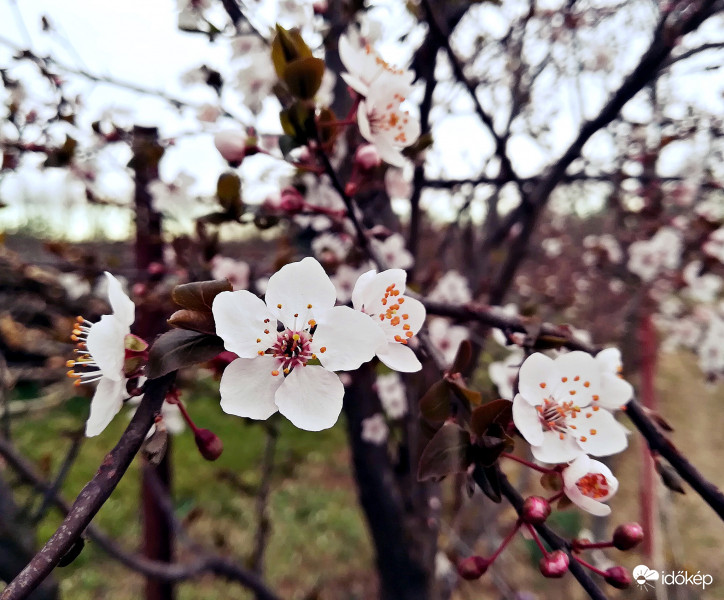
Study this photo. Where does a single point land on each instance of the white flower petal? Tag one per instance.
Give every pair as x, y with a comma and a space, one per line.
586, 503
555, 450
376, 287
526, 420
399, 357
311, 398
578, 378
536, 378
363, 122
295, 287
615, 392
359, 291
356, 84
123, 307
577, 469
599, 434
388, 152
239, 318
247, 388
349, 338
105, 344
107, 401
609, 360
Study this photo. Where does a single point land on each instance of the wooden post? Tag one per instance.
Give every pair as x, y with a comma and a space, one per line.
157, 529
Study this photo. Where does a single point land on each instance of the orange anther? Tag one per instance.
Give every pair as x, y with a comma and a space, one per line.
572, 392
323, 349
279, 305
595, 408
583, 438
595, 397
401, 300
576, 378
593, 432
409, 334
542, 384
586, 383
275, 372
564, 379
405, 316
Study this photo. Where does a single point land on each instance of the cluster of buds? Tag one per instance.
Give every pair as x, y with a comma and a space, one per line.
554, 564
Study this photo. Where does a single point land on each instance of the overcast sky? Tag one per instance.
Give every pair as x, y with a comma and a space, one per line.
139, 41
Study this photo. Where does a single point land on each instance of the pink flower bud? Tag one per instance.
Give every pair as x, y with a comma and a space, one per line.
627, 536
291, 201
535, 510
156, 268
554, 565
618, 577
208, 443
473, 567
367, 157
231, 145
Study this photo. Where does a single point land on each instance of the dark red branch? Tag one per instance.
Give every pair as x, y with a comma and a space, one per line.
93, 495
552, 539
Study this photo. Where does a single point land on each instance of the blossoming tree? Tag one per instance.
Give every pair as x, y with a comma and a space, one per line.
353, 310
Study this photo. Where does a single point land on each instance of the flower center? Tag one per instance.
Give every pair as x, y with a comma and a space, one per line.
84, 368
593, 485
553, 415
292, 349
393, 302
390, 118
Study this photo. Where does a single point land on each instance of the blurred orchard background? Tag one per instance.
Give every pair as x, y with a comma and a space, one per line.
569, 171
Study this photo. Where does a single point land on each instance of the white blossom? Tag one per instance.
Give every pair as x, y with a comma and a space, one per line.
101, 357
391, 392
375, 430
382, 295
562, 408
272, 372
588, 484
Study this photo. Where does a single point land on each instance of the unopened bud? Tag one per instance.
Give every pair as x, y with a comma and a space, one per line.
617, 577
231, 145
208, 443
351, 188
473, 567
291, 201
627, 536
554, 565
367, 158
535, 510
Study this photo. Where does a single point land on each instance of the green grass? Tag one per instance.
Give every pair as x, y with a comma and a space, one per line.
318, 533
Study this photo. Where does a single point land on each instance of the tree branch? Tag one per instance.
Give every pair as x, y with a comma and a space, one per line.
664, 40
94, 494
658, 443
553, 539
172, 572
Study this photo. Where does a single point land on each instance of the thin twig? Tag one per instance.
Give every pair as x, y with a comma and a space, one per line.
204, 563
93, 495
262, 500
552, 539
63, 471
